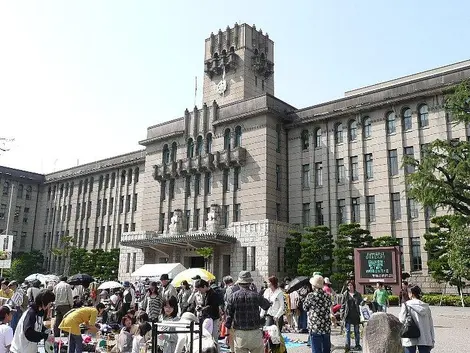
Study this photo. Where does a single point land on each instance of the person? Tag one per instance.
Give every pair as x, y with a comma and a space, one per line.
303, 292
139, 342
125, 338
6, 332
33, 291
63, 302
382, 334
318, 305
263, 288
127, 297
31, 330
167, 341
422, 316
5, 292
210, 305
351, 315
73, 319
404, 297
243, 310
168, 289
381, 297
274, 315
327, 287
183, 296
152, 302
16, 301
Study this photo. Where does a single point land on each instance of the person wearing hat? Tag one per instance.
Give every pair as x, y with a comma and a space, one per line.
243, 314
16, 302
168, 289
327, 287
5, 291
318, 306
6, 332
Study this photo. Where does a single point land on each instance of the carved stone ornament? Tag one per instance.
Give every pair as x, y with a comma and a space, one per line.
176, 222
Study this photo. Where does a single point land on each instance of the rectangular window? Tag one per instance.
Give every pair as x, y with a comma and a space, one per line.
126, 227
197, 184
197, 215
121, 204
187, 187
106, 181
128, 203
370, 209
134, 257
237, 212
208, 189
355, 210
244, 257
396, 207
17, 213
306, 176
413, 209
318, 174
111, 205
134, 203
26, 215
84, 209
393, 162
162, 190
278, 177
278, 211
105, 207
416, 262
225, 183
253, 258
77, 211
132, 227
171, 191
128, 263
340, 170
319, 213
64, 214
161, 223
98, 208
341, 211
306, 214
369, 161
236, 178
226, 214
187, 220
409, 152
354, 168
69, 212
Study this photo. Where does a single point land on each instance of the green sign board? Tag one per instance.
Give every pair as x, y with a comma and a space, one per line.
377, 264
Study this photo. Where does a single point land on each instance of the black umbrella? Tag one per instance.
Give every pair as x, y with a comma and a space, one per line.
297, 283
80, 278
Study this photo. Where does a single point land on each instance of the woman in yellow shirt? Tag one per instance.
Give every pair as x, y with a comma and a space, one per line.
76, 317
5, 291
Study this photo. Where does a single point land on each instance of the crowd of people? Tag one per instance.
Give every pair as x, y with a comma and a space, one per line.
235, 309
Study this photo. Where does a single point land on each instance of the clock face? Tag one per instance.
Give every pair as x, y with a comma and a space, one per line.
221, 87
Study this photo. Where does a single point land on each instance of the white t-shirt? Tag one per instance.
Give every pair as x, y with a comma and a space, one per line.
6, 336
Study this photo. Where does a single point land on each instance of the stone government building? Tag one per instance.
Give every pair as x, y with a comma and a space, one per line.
237, 173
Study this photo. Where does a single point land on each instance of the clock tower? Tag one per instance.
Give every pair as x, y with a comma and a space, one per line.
238, 64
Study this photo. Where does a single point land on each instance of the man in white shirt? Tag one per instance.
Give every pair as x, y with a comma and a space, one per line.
63, 302
6, 332
16, 301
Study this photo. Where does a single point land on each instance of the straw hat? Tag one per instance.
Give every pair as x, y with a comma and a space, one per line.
317, 281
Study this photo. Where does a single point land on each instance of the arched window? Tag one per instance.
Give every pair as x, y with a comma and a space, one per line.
407, 122
209, 143
29, 191
339, 133
166, 154
174, 151
129, 176
136, 175
423, 115
304, 139
199, 145
391, 123
190, 148
367, 127
238, 136
19, 193
352, 130
317, 137
227, 137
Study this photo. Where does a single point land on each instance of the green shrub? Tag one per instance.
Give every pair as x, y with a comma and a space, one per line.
393, 299
447, 300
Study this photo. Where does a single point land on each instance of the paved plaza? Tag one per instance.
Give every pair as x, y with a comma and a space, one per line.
451, 324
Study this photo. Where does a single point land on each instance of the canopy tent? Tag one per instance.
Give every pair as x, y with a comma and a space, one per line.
156, 270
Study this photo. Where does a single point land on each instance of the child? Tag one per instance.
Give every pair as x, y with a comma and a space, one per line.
167, 341
6, 332
139, 344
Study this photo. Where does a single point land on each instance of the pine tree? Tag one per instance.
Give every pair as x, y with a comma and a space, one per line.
316, 251
293, 251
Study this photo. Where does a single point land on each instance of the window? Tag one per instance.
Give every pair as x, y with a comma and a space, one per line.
391, 123
209, 143
396, 207
226, 214
3, 209
416, 262
339, 133
369, 161
424, 150
134, 203
412, 209
162, 190
237, 212
187, 187
29, 191
370, 209
161, 223
197, 184
238, 136
341, 211
6, 188
77, 212
409, 152
306, 214
227, 138
126, 228
367, 127
407, 119
319, 213
199, 146
340, 170
318, 138
225, 183
17, 214
306, 176
105, 207
423, 116
166, 155
318, 174
111, 205
196, 219
253, 258
26, 215
278, 177
171, 189
278, 137
393, 162
132, 227
113, 179
355, 210
128, 203
83, 210
353, 130
187, 220
304, 139
136, 175
121, 204
88, 214
106, 182
208, 189
123, 177
129, 177
174, 151
190, 148
244, 257
353, 161
69, 212
19, 193
236, 178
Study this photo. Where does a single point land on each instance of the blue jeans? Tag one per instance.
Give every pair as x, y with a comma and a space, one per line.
321, 343
302, 320
357, 335
383, 308
421, 349
75, 344
15, 319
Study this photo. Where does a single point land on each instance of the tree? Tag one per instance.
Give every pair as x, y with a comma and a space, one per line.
206, 253
24, 264
350, 236
100, 264
293, 251
385, 241
316, 251
66, 245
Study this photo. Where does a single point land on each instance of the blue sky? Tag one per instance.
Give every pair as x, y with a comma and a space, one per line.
82, 80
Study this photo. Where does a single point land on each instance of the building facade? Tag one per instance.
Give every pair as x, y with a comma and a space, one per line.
238, 172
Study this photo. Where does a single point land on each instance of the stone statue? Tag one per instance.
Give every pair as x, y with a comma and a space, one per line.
176, 222
213, 218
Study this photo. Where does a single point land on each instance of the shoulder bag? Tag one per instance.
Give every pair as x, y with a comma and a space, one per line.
410, 329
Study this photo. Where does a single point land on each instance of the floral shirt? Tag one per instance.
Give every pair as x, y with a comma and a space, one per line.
318, 308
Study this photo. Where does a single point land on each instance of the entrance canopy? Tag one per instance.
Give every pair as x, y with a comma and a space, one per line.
156, 270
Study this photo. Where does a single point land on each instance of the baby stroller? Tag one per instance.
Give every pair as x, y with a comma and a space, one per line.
273, 340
